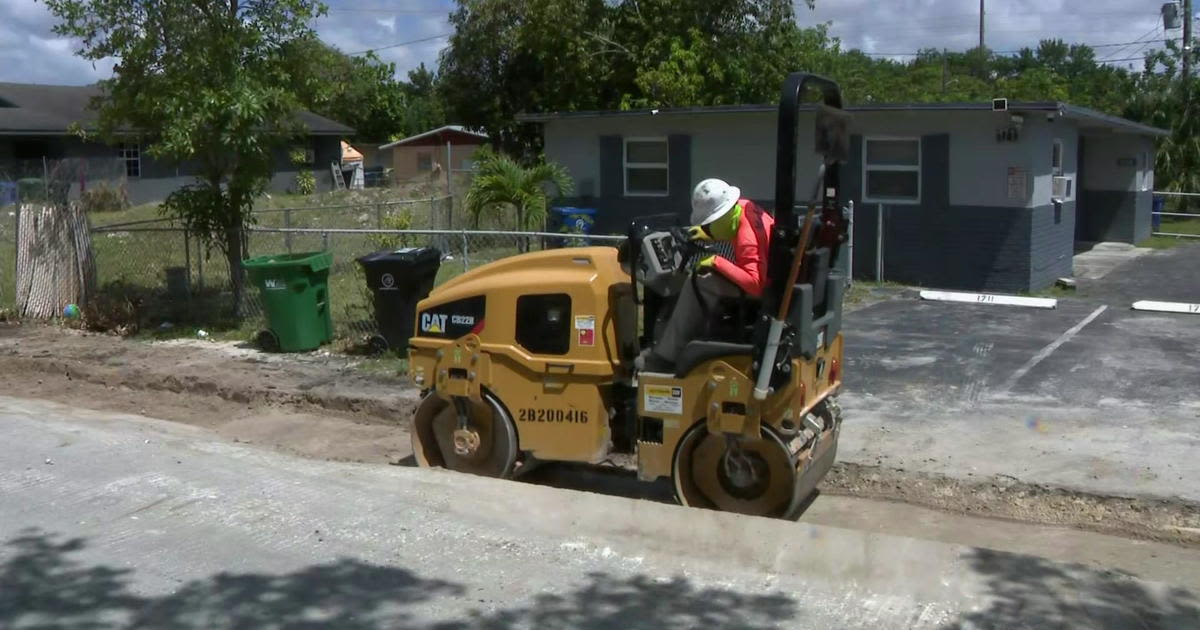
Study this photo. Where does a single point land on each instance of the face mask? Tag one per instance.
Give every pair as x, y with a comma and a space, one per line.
725, 228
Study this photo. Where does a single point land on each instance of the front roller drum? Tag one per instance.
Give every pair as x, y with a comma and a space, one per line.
759, 481
487, 446
761, 477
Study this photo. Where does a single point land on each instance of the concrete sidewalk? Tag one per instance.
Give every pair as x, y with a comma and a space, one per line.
134, 522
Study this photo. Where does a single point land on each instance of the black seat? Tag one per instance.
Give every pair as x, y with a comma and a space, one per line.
697, 352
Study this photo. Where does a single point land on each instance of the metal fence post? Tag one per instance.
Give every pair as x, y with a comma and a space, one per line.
324, 241
200, 253
187, 256
379, 216
187, 263
850, 246
287, 223
466, 261
879, 244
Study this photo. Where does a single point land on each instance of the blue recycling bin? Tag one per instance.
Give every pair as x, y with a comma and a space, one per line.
8, 193
1156, 209
572, 220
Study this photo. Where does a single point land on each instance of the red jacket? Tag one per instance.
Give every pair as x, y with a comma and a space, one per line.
751, 244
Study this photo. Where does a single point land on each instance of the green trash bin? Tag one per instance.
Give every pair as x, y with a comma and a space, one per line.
295, 294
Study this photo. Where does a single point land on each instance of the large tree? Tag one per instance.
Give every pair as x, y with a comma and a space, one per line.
512, 56
360, 91
204, 81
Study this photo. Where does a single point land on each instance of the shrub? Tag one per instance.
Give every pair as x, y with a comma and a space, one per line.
306, 183
402, 220
105, 197
31, 189
117, 308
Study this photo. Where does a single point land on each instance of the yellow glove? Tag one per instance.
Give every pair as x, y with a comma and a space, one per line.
697, 233
706, 263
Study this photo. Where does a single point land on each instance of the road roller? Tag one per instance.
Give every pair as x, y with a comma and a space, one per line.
531, 358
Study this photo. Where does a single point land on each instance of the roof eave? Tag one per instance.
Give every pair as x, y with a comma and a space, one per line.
1070, 111
426, 134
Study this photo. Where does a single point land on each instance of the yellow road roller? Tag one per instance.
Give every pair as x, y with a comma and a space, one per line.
531, 358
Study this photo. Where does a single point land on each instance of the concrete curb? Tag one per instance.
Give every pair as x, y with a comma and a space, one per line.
988, 299
823, 558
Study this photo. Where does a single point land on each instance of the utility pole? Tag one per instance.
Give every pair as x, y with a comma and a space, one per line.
981, 12
1187, 41
945, 69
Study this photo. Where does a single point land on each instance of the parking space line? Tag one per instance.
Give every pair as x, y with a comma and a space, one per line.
1048, 350
1166, 307
988, 298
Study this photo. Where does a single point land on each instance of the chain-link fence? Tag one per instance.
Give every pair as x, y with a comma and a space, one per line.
58, 187
176, 280
1176, 215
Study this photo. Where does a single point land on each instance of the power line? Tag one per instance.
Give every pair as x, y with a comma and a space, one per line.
398, 45
394, 11
1119, 51
1013, 52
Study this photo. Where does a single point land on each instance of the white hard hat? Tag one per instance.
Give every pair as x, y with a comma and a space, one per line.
711, 199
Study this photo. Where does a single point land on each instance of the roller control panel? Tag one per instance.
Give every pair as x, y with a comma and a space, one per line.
659, 263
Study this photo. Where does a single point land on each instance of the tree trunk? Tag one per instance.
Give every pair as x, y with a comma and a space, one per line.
237, 278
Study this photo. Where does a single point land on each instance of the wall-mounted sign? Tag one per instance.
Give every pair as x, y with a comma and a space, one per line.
1017, 183
1126, 161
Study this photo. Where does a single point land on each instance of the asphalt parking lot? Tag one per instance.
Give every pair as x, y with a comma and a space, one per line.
1093, 347
1091, 395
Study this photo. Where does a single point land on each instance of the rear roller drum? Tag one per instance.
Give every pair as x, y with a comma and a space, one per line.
486, 444
756, 477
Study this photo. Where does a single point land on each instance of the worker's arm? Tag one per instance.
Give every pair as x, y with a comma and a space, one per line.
748, 272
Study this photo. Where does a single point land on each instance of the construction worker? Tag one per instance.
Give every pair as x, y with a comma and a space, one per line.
718, 214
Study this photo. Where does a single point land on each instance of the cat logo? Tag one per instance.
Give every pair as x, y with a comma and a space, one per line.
433, 323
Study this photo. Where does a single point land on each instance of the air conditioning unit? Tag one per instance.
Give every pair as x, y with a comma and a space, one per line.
1060, 188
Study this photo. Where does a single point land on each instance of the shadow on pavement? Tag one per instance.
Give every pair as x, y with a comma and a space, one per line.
42, 586
639, 602
1033, 593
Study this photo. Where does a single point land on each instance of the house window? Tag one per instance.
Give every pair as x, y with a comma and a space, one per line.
1056, 158
131, 155
424, 161
892, 170
646, 167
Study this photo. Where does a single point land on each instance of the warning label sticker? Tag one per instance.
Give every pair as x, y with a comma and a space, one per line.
663, 399
585, 325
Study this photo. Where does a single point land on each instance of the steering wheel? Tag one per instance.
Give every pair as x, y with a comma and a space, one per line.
692, 250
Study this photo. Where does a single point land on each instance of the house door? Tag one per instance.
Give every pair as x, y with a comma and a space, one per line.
1081, 216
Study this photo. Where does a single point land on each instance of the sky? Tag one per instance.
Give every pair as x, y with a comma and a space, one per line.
30, 52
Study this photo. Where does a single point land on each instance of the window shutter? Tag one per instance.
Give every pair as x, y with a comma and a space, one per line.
612, 183
679, 148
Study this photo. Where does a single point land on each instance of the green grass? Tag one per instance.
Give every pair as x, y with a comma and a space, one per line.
1176, 225
862, 292
390, 365
1054, 291
134, 261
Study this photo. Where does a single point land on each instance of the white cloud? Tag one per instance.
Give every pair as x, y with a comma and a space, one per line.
29, 50
905, 26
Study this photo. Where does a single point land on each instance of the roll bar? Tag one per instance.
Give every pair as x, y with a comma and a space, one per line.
830, 143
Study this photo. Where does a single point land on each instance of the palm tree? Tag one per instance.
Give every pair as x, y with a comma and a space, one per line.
501, 183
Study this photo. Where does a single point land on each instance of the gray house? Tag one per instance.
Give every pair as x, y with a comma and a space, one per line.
35, 124
991, 196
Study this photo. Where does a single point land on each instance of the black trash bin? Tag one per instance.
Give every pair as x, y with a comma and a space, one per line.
398, 279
